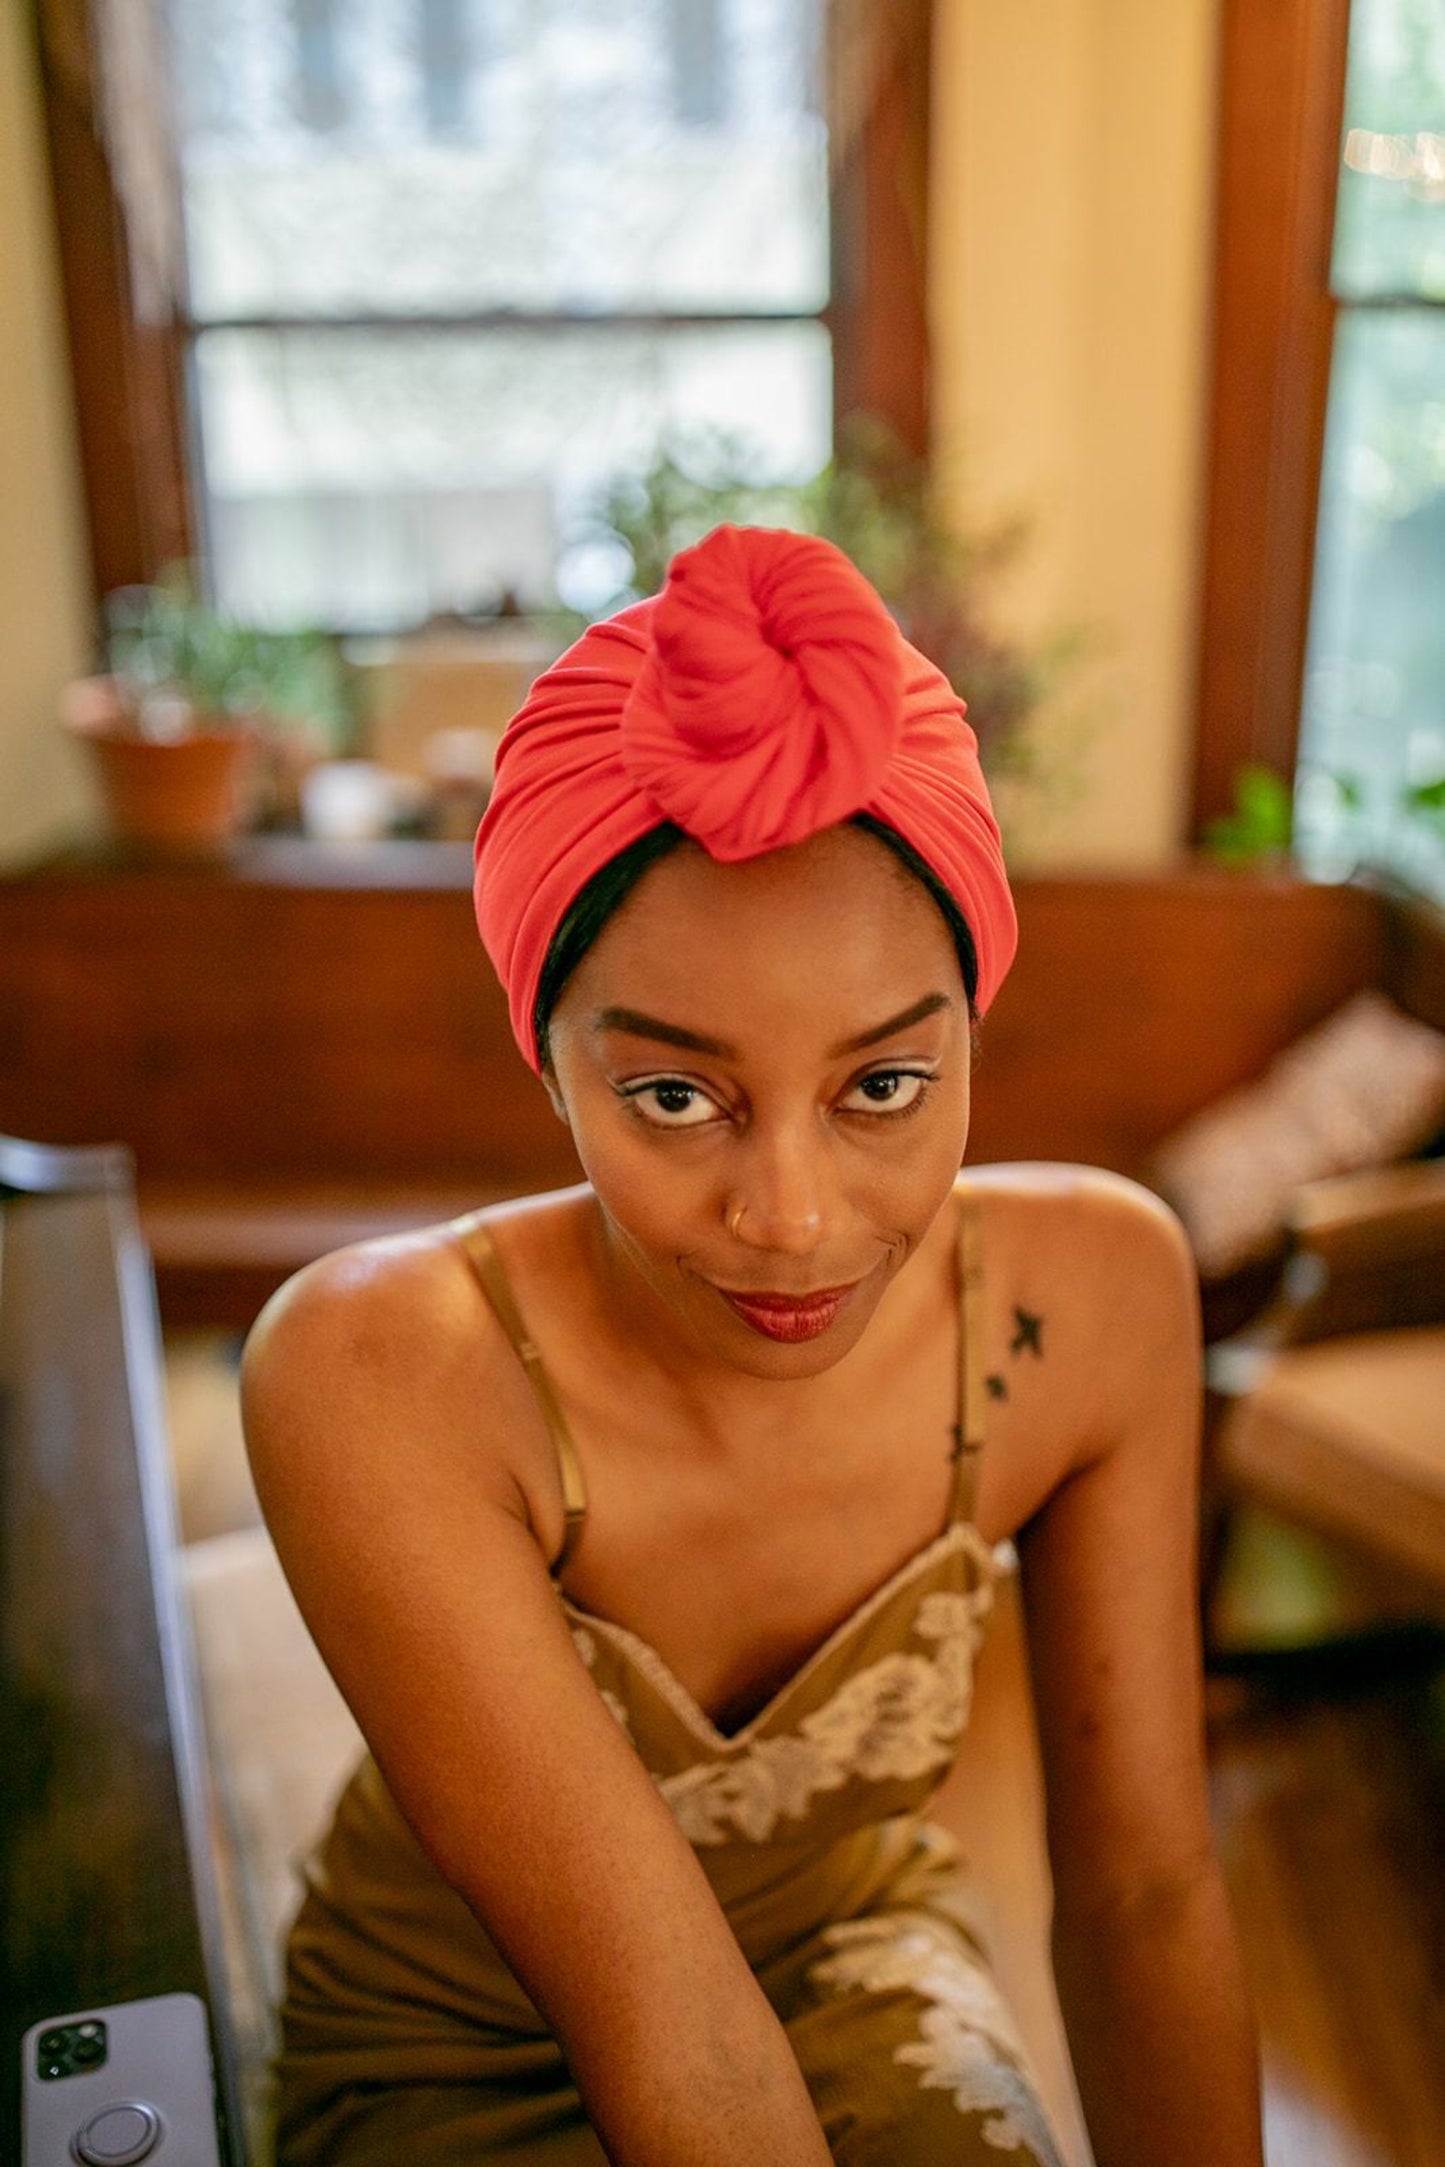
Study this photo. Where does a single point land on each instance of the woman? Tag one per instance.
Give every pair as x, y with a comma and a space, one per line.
648, 1527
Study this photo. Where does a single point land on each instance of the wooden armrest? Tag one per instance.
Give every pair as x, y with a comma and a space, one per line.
1368, 1254
1387, 1215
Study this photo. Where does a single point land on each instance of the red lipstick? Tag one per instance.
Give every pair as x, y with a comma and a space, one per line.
790, 1317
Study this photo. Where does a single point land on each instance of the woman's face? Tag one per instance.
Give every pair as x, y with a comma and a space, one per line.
765, 1068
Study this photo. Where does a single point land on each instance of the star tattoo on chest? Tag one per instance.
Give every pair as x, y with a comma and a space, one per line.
1028, 1334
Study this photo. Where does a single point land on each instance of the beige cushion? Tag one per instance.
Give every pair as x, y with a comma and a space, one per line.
1364, 1088
1349, 1435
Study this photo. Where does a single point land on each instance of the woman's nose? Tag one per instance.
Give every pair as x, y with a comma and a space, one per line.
782, 1199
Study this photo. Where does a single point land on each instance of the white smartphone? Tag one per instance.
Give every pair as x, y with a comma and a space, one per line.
114, 2086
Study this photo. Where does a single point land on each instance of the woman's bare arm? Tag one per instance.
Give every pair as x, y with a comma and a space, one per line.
1148, 1969
373, 1391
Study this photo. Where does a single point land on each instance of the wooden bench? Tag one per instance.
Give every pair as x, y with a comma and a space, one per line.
301, 1043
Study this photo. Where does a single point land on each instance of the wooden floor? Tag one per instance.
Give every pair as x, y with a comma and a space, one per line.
1329, 1805
1329, 1799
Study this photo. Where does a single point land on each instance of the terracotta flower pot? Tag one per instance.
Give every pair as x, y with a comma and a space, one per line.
180, 793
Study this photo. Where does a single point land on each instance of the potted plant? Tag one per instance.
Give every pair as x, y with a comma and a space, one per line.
197, 715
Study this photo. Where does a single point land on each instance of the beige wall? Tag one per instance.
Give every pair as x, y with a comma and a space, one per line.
1071, 231
43, 581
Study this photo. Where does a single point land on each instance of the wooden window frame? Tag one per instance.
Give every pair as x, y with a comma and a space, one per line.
1281, 112
129, 365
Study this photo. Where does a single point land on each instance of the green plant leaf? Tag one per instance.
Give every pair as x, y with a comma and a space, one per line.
1261, 825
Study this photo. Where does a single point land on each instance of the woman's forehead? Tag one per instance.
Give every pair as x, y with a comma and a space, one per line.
832, 932
841, 867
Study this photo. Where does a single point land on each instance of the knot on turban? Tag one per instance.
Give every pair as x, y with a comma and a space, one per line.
764, 695
770, 700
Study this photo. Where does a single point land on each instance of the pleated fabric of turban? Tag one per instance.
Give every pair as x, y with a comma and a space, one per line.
765, 694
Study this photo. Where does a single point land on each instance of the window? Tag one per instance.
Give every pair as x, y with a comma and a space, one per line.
418, 350
1321, 636
1372, 735
449, 264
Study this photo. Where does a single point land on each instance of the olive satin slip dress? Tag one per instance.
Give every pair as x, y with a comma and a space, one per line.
406, 2038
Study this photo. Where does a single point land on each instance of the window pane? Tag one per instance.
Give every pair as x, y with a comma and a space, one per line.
445, 156
1374, 711
1390, 219
365, 479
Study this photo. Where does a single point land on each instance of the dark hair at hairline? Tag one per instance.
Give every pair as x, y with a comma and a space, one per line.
610, 886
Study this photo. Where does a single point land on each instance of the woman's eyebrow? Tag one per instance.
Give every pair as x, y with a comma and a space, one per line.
928, 1006
636, 1025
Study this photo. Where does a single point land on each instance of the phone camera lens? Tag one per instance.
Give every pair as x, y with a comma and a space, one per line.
87, 2052
52, 2043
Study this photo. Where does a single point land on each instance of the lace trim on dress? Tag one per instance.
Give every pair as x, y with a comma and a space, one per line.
959, 1534
968, 2043
896, 1720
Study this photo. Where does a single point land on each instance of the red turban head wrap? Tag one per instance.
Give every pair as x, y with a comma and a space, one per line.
764, 694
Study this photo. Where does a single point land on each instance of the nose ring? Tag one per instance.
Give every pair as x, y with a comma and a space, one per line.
735, 1221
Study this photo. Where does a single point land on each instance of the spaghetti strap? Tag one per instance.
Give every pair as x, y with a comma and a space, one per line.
482, 1255
972, 1389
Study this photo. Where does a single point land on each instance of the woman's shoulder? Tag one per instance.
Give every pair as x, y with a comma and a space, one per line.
415, 1284
1099, 1254
401, 1322
1089, 1288
1095, 1245
1044, 1198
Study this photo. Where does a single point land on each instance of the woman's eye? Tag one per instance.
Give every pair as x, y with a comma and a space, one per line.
669, 1103
889, 1090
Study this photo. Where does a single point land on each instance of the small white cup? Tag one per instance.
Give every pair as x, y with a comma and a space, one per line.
346, 801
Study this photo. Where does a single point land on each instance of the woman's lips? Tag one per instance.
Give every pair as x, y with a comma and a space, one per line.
790, 1316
